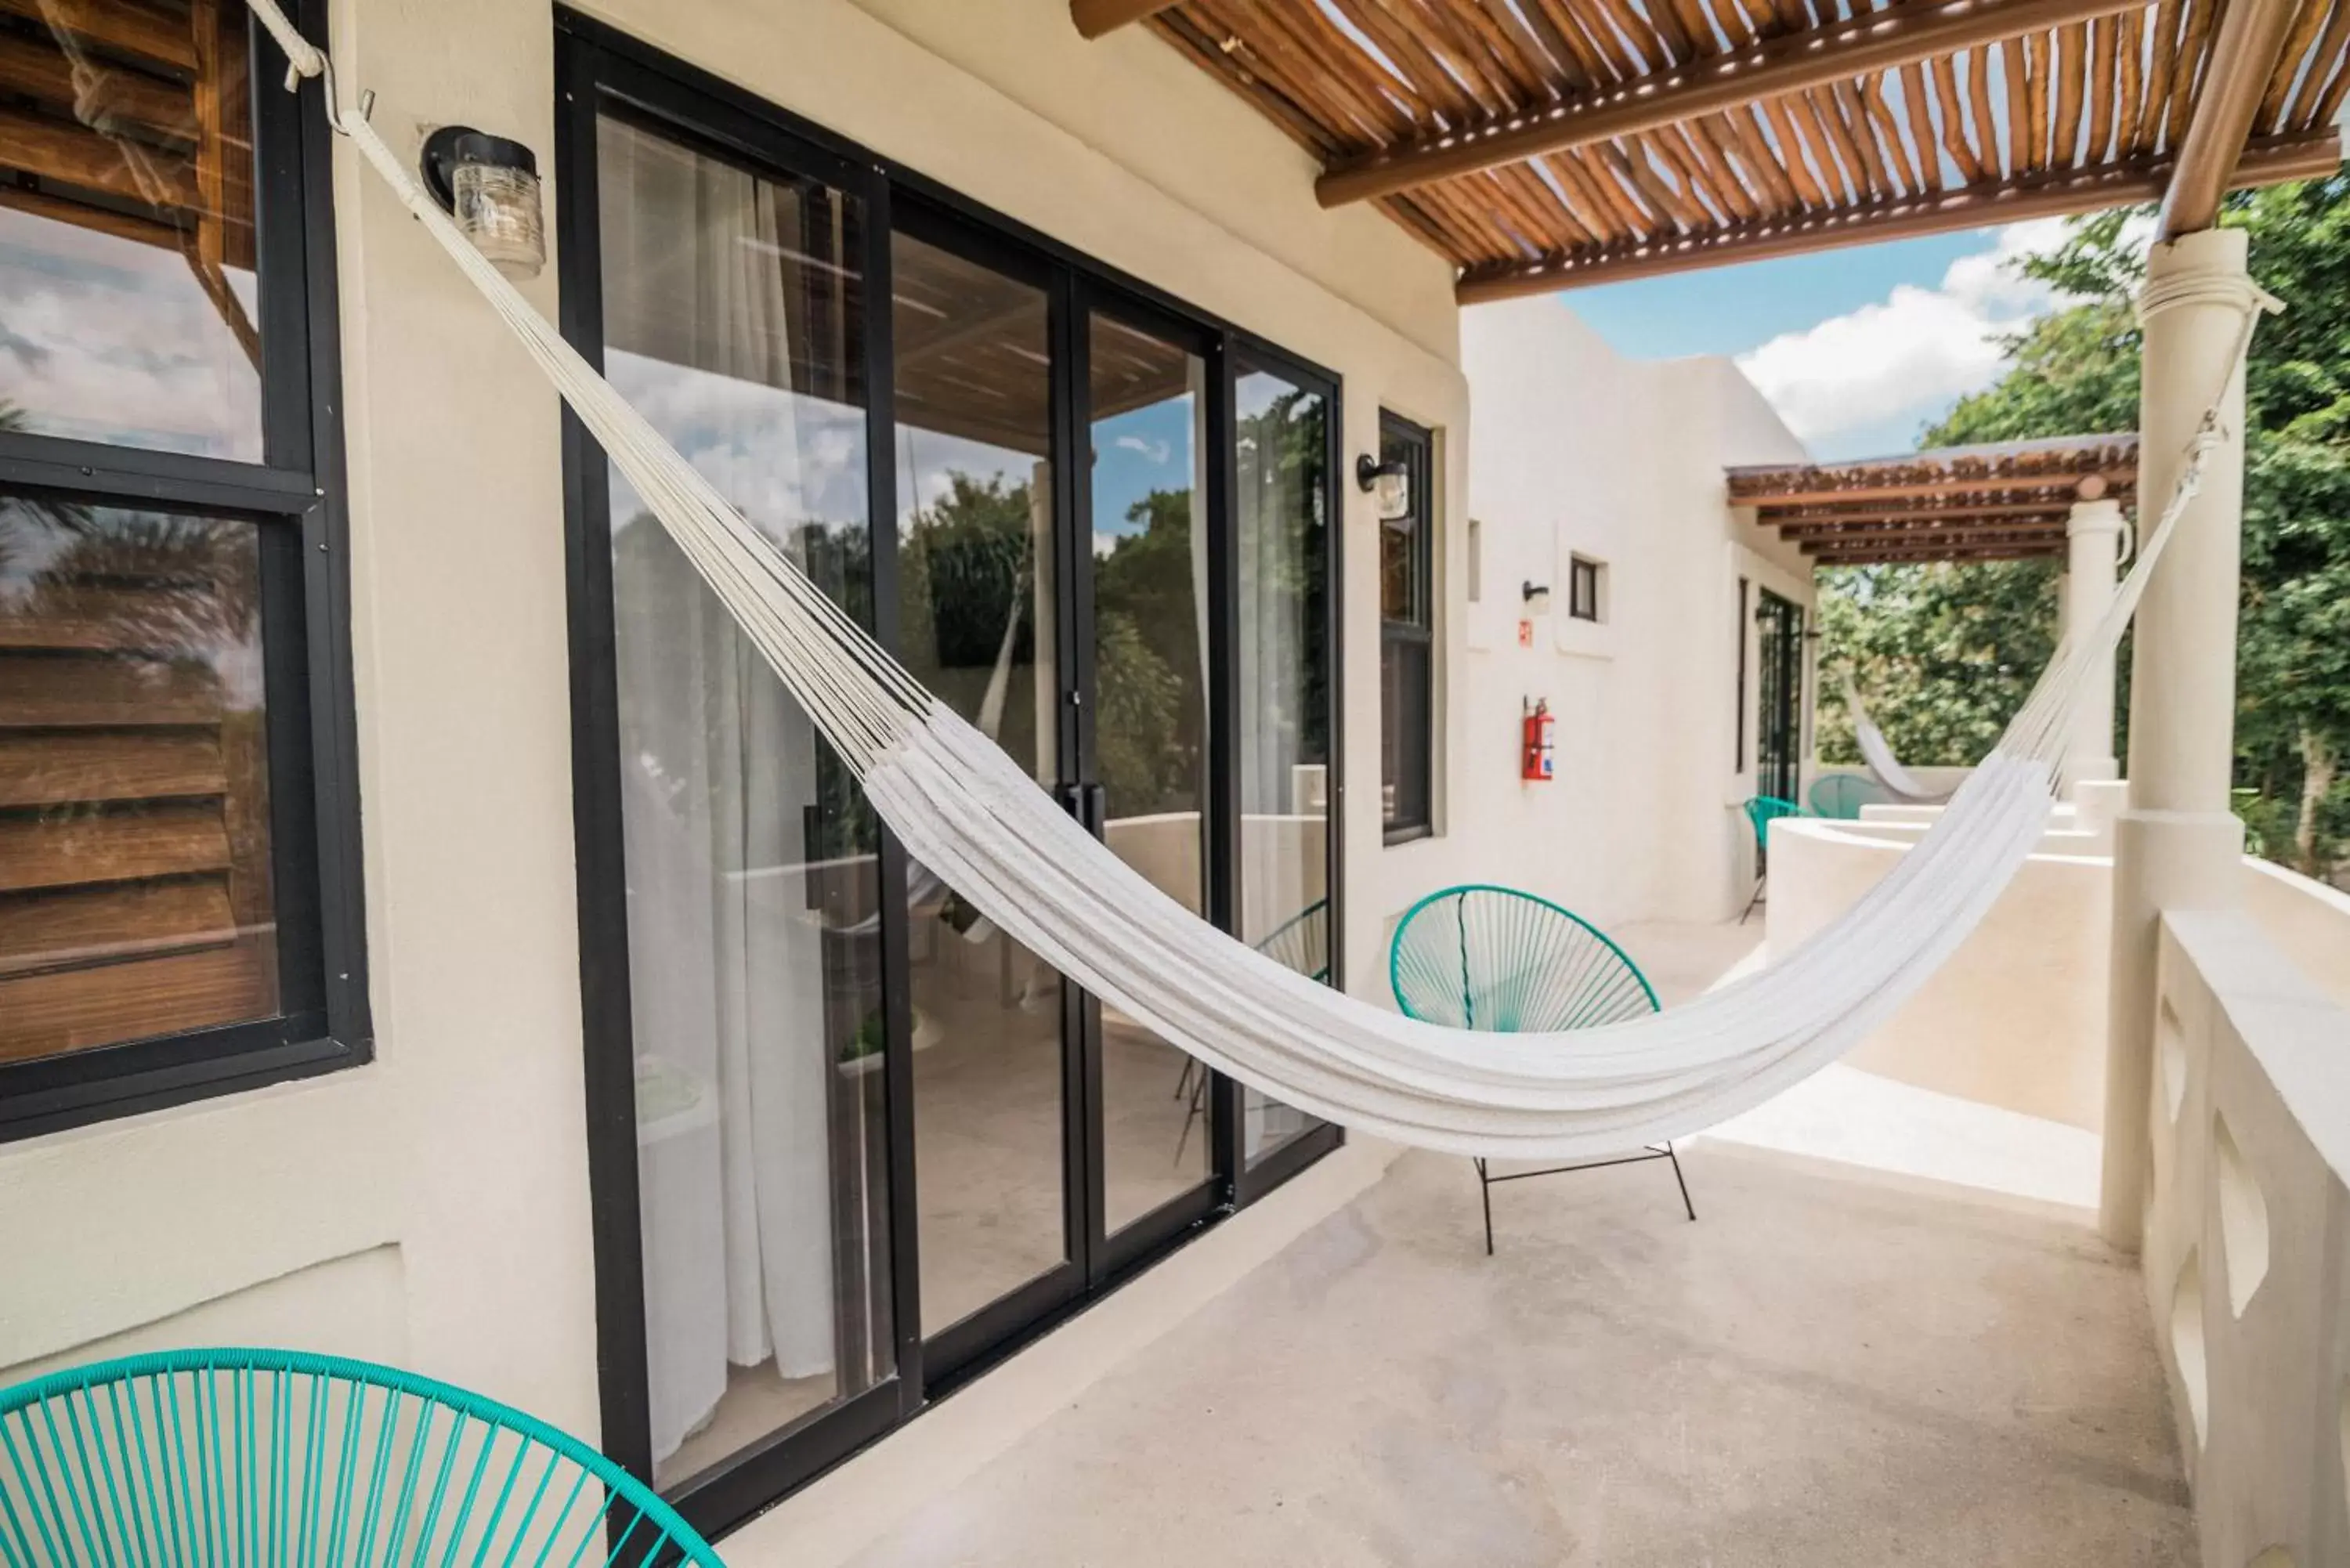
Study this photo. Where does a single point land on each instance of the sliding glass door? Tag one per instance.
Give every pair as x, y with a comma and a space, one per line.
1146, 739
851, 1142
730, 301
979, 617
1285, 717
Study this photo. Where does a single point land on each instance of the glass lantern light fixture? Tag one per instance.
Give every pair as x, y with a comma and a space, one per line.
489, 185
1389, 482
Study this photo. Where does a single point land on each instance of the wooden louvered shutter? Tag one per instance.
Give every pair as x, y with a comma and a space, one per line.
135, 894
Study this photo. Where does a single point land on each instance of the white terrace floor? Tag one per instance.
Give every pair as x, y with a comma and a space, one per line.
1870, 1350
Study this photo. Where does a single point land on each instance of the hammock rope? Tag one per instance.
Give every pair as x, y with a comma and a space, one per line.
977, 820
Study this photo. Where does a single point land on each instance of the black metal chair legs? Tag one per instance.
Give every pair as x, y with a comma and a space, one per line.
1486, 1180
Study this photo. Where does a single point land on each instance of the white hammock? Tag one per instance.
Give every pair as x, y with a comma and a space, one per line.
967, 811
1877, 752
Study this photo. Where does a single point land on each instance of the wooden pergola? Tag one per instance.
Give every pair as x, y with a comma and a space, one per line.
1546, 144
2006, 502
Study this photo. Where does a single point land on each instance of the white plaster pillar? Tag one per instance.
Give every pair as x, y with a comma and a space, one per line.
2093, 536
2176, 845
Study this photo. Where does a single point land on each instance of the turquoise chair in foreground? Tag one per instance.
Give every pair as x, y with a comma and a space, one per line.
1496, 959
1761, 811
1840, 796
258, 1459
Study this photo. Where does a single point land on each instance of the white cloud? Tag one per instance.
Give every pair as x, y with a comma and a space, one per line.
1154, 451
1912, 354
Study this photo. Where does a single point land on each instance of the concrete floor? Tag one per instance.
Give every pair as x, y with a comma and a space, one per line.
1837, 1365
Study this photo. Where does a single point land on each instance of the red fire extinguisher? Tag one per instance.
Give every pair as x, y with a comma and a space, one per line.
1538, 762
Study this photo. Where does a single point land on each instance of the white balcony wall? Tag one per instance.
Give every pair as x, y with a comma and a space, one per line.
432, 1207
2016, 1018
1580, 452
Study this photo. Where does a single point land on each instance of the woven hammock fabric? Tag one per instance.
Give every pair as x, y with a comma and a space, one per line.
1877, 751
964, 809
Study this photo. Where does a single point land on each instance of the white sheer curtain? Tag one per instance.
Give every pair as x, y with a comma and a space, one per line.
719, 770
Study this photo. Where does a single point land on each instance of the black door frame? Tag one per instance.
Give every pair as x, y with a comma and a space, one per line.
599, 67
1779, 728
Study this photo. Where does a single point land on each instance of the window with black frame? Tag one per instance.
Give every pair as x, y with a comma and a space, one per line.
1407, 636
178, 894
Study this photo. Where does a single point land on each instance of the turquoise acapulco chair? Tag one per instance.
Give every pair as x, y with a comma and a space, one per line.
1491, 957
1761, 811
275, 1459
1840, 796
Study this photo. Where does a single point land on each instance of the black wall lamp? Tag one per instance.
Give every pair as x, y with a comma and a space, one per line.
489, 185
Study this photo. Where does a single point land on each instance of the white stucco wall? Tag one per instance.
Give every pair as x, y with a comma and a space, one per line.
1581, 452
432, 1207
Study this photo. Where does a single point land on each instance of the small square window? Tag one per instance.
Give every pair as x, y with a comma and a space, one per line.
1585, 585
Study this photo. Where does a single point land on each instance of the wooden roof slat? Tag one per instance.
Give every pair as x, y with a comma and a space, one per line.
1720, 175
1793, 155
2072, 68
1274, 60
2104, 76
2014, 92
1404, 51
1863, 181
1925, 146
2194, 37
2130, 89
1449, 35
1736, 139
1562, 48
1981, 122
1187, 37
2304, 108
2037, 100
1545, 143
1525, 45
1790, 63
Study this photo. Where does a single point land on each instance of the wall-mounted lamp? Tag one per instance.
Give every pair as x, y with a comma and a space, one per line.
489, 185
1537, 597
1390, 482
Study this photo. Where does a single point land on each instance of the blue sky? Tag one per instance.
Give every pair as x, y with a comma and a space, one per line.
1860, 350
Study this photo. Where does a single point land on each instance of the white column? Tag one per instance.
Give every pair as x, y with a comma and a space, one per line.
2176, 845
2093, 537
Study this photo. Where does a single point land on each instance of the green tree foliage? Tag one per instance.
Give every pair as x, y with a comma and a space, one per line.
1911, 635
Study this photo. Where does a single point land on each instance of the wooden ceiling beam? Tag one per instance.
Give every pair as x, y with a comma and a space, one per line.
1096, 18
2271, 161
1828, 516
2008, 486
1955, 555
1903, 33
2243, 57
1828, 533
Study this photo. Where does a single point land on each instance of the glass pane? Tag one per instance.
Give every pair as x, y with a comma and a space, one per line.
733, 318
1150, 562
1404, 730
1403, 541
135, 894
126, 227
975, 614
1283, 510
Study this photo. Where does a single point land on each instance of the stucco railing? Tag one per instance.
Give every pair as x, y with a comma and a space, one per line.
2247, 1251
2017, 1017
